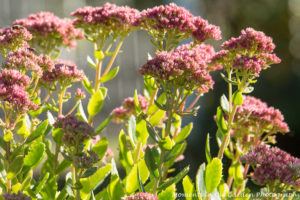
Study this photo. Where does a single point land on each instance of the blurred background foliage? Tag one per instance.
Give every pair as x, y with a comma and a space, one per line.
278, 86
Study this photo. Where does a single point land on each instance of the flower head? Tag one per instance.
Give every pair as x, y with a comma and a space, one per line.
24, 60
49, 31
141, 196
185, 67
99, 22
79, 94
12, 90
75, 131
263, 119
12, 196
12, 38
175, 18
64, 73
272, 164
86, 161
128, 108
251, 52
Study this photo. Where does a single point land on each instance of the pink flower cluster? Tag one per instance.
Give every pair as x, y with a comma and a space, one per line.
128, 108
12, 38
141, 196
262, 118
25, 60
75, 131
79, 94
18, 196
120, 20
271, 164
184, 67
12, 90
50, 31
64, 73
173, 17
251, 52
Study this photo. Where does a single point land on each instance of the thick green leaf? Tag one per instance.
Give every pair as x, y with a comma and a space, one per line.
63, 166
26, 181
213, 175
175, 151
89, 172
131, 182
132, 129
99, 54
221, 123
87, 85
39, 131
166, 143
35, 155
124, 148
207, 149
224, 103
24, 127
95, 103
152, 132
237, 98
141, 132
223, 189
236, 170
175, 179
116, 190
188, 187
157, 117
91, 62
141, 186
248, 90
184, 133
57, 135
15, 167
200, 182
90, 183
104, 91
136, 103
101, 147
40, 184
50, 117
152, 160
110, 75
168, 194
103, 125
81, 113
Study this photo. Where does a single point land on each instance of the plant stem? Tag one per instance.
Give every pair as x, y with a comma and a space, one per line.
193, 103
114, 56
74, 107
8, 183
167, 133
227, 134
98, 68
75, 178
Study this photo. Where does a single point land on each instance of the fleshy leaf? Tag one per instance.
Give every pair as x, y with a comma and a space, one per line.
95, 103
184, 133
213, 175
110, 75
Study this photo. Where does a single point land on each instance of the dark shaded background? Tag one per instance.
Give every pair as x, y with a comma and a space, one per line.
279, 86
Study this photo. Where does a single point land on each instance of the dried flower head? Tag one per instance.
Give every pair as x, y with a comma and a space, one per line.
12, 90
49, 31
100, 22
272, 164
178, 20
75, 131
185, 67
86, 161
141, 196
64, 73
251, 52
12, 38
263, 119
127, 109
19, 196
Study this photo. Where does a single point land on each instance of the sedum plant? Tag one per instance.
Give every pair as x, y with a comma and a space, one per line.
68, 145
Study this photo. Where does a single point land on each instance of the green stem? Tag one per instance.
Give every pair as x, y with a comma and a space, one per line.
74, 107
76, 179
114, 56
98, 69
8, 183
